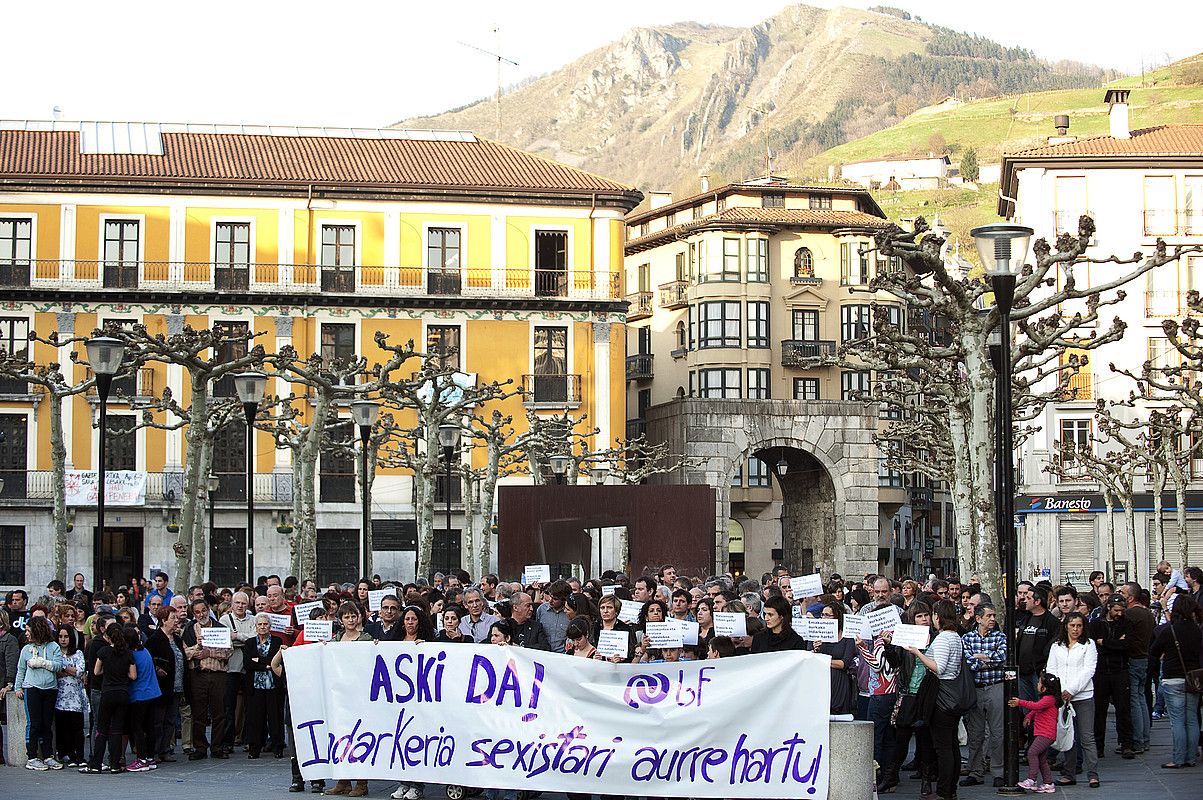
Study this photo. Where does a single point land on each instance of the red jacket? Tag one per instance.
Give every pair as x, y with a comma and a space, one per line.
1043, 715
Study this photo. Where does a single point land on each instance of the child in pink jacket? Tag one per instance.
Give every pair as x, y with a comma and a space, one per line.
1042, 716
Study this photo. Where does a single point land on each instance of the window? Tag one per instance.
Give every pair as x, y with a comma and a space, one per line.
337, 554
227, 556
854, 385
12, 555
338, 342
443, 260
854, 264
806, 325
551, 364
888, 475
14, 454
758, 472
758, 260
737, 480
232, 255
681, 267
551, 263
758, 384
440, 483
643, 341
444, 551
1075, 437
643, 401
1160, 205
121, 254
758, 323
231, 346
772, 200
729, 266
121, 448
337, 470
718, 324
338, 258
125, 382
855, 322
820, 202
16, 252
893, 315
719, 384
804, 263
682, 336
229, 461
14, 340
806, 389
443, 342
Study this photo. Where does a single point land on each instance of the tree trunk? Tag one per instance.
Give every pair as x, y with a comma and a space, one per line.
424, 490
309, 453
1109, 501
469, 520
58, 482
1158, 511
200, 528
488, 493
962, 493
984, 535
1180, 499
194, 438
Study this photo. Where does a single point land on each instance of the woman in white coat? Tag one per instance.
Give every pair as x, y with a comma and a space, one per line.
1072, 659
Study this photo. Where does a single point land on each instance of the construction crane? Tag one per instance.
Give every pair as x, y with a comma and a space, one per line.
500, 58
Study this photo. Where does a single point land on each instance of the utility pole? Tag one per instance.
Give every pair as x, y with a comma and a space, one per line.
500, 58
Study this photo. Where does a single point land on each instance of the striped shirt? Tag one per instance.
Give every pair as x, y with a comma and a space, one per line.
881, 674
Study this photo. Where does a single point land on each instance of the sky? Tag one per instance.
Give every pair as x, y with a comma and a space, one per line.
370, 63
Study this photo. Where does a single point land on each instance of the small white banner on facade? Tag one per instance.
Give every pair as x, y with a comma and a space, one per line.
121, 487
504, 717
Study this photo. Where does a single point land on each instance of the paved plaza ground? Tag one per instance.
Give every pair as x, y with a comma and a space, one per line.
268, 777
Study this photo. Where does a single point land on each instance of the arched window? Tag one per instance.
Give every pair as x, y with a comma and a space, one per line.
804, 263
682, 336
680, 391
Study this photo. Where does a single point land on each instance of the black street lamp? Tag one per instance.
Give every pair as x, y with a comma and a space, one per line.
599, 472
105, 355
364, 413
1003, 249
212, 484
250, 387
559, 466
448, 438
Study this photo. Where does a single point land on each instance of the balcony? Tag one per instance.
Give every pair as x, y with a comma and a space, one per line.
551, 391
127, 387
640, 306
1067, 221
1163, 303
639, 367
920, 498
805, 354
636, 428
674, 294
268, 279
1080, 387
805, 280
1172, 222
38, 485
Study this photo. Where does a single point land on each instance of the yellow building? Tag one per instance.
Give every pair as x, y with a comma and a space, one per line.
317, 238
736, 295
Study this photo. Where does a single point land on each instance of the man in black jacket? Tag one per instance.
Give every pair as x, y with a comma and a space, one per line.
1037, 629
528, 632
1110, 633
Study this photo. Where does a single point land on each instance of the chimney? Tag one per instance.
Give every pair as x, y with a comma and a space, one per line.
661, 199
705, 180
1117, 100
1061, 123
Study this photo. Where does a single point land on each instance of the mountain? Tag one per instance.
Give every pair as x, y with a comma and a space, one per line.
663, 104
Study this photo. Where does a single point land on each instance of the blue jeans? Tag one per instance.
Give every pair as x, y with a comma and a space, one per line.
1138, 671
1183, 708
1027, 686
880, 708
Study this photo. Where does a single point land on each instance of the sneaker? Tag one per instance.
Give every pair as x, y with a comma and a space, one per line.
36, 763
137, 765
152, 763
1046, 788
1158, 715
54, 763
1029, 784
399, 794
413, 793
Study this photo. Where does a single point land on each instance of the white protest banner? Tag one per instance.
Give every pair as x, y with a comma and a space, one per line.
689, 632
318, 630
823, 630
884, 618
608, 588
730, 624
664, 634
911, 635
511, 718
280, 622
303, 610
121, 487
376, 595
215, 636
614, 643
629, 612
806, 586
536, 573
857, 627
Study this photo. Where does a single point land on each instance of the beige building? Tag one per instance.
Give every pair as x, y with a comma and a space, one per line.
735, 294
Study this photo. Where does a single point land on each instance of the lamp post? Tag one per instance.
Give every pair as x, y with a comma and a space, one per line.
212, 484
250, 387
448, 438
364, 413
105, 354
1003, 249
599, 472
559, 466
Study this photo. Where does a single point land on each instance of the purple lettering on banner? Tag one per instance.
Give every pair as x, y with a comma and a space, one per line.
650, 689
481, 665
381, 680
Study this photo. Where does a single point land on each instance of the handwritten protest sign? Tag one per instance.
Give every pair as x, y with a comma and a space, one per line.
806, 586
730, 624
121, 487
629, 612
664, 634
512, 718
608, 588
911, 635
884, 618
689, 632
318, 630
536, 573
280, 622
614, 643
857, 627
376, 595
304, 610
215, 636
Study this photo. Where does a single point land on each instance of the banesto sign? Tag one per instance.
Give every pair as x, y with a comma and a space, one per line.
1047, 503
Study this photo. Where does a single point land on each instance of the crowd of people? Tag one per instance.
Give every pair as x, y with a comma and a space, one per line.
134, 676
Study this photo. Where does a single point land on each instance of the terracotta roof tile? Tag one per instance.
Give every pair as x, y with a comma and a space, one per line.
740, 215
219, 157
1162, 140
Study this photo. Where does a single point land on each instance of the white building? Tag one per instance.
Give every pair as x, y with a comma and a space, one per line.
900, 172
1138, 186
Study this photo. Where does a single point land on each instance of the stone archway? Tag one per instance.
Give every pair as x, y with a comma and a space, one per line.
808, 520
716, 437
